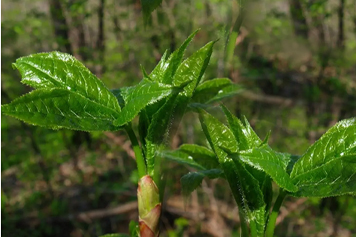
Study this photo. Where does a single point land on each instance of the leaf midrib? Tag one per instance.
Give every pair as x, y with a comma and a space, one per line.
49, 98
60, 84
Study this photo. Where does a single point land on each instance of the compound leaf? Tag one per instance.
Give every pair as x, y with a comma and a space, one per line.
61, 70
244, 186
60, 108
182, 158
328, 168
248, 139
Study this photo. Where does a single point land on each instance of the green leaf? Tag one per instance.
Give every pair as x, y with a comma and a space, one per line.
208, 89
138, 97
134, 229
61, 108
148, 6
252, 196
144, 73
187, 75
265, 184
226, 92
61, 70
248, 139
328, 168
245, 189
218, 134
244, 134
201, 155
290, 159
244, 186
192, 180
181, 157
193, 68
265, 159
158, 72
166, 69
189, 72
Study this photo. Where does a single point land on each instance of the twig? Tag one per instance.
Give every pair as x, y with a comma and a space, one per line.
268, 99
97, 214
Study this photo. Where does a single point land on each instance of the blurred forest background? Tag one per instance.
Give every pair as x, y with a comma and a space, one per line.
296, 61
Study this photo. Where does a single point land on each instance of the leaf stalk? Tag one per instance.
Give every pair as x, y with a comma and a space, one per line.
243, 223
141, 165
273, 216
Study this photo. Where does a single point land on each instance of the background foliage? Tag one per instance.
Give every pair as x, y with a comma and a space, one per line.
295, 59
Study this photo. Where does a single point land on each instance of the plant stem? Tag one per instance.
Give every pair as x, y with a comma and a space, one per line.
253, 228
243, 224
273, 216
141, 165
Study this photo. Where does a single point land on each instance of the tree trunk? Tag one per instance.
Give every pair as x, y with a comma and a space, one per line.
298, 19
60, 25
100, 45
341, 36
77, 11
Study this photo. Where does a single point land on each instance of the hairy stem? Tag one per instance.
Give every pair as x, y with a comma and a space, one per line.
141, 165
273, 216
243, 224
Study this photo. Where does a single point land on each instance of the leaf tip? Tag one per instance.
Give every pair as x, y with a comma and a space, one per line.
14, 66
5, 108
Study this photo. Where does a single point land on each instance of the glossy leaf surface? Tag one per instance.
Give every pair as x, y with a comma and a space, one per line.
174, 60
208, 89
270, 162
158, 72
226, 92
244, 134
218, 134
193, 68
166, 68
138, 97
328, 167
60, 108
61, 70
244, 186
248, 139
190, 71
181, 157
